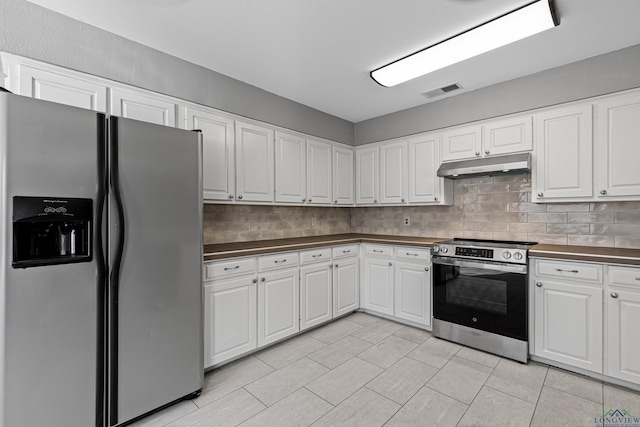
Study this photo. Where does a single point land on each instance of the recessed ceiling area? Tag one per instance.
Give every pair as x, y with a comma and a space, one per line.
320, 52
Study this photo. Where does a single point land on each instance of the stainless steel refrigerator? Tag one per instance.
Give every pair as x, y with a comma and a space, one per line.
100, 266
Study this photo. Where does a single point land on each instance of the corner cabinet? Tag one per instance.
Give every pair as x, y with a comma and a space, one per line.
563, 154
319, 178
343, 176
367, 174
291, 172
254, 163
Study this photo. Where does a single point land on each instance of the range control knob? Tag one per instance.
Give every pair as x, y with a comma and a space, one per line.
517, 256
506, 254
444, 249
436, 249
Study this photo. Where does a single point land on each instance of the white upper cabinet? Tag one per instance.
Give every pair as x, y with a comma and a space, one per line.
218, 160
254, 163
367, 175
62, 88
618, 147
509, 135
563, 154
291, 173
424, 160
319, 156
140, 106
393, 173
343, 174
462, 143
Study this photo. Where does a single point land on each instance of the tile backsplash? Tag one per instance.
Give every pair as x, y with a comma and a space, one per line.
486, 208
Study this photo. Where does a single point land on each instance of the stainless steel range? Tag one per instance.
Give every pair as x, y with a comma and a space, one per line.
480, 295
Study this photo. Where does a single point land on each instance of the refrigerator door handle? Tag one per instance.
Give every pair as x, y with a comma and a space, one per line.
101, 265
114, 279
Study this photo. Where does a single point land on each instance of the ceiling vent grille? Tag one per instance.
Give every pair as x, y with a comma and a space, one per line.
442, 90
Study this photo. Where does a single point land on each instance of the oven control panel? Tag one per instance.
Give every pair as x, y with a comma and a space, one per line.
515, 256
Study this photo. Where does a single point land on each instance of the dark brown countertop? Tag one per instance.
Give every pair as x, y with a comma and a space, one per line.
587, 253
229, 250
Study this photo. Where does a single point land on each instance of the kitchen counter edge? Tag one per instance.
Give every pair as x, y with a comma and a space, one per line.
230, 250
587, 253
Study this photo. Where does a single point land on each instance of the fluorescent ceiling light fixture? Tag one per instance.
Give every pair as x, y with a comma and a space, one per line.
516, 25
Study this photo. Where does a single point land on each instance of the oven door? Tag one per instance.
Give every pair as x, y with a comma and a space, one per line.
488, 296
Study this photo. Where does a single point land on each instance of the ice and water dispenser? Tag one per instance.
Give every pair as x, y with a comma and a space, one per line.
49, 230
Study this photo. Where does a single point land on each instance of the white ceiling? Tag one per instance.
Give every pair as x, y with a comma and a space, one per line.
320, 52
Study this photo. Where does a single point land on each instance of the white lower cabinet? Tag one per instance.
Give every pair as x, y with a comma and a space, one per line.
229, 319
316, 302
377, 288
278, 315
412, 286
623, 317
346, 286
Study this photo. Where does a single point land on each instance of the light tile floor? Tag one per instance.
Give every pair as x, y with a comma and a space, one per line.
365, 371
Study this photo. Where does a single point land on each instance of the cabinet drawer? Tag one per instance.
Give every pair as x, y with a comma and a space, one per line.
416, 254
279, 260
624, 276
570, 270
378, 250
229, 268
315, 255
345, 251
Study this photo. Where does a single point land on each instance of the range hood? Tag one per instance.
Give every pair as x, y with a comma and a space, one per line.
510, 164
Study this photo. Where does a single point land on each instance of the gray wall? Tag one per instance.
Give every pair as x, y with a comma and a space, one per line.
611, 72
38, 33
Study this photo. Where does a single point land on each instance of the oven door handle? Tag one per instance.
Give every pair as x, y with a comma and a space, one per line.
507, 268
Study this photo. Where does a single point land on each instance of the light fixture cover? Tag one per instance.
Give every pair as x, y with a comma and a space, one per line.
516, 25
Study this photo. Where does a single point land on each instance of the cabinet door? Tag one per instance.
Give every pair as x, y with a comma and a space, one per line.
138, 106
623, 345
218, 161
564, 154
377, 288
412, 287
343, 174
346, 286
62, 88
291, 173
316, 302
278, 315
424, 160
254, 163
509, 135
393, 173
618, 145
367, 175
229, 319
318, 172
568, 324
462, 143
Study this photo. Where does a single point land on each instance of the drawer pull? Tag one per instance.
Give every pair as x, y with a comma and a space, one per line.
377, 251
278, 262
614, 295
567, 271
231, 268
316, 256
409, 253
349, 251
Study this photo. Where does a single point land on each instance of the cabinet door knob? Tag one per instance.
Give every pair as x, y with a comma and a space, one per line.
614, 295
230, 196
486, 151
402, 200
309, 200
603, 192
390, 264
335, 202
336, 266
263, 280
426, 269
254, 281
539, 284
240, 197
375, 201
304, 200
540, 194
435, 198
477, 153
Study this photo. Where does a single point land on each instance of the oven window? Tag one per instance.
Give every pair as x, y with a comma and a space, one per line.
479, 293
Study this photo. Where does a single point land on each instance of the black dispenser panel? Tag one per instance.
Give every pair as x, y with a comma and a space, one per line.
50, 230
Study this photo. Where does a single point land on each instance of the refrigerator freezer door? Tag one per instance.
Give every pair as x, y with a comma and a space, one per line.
49, 337
156, 348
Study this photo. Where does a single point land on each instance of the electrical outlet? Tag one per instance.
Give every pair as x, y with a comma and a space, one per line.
407, 221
